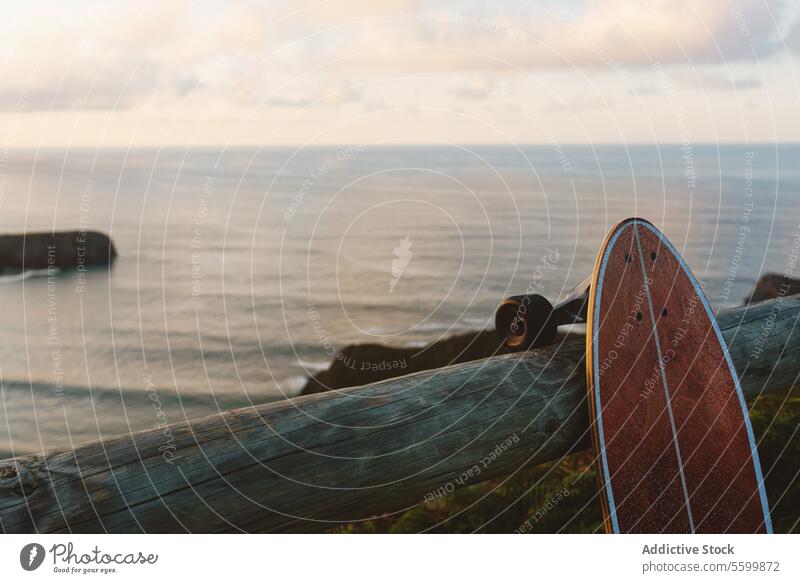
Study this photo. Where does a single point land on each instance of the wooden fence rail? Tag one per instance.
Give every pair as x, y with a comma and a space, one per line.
309, 463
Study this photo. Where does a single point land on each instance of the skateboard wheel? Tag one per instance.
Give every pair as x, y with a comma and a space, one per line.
525, 321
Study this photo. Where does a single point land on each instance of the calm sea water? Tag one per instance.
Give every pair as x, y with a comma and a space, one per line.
241, 271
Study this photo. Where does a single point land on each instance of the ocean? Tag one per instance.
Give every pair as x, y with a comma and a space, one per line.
242, 271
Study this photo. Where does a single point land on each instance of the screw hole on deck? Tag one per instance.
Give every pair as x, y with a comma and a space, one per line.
627, 258
638, 316
652, 255
664, 312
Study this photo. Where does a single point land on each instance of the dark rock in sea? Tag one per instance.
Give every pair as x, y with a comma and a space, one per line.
360, 364
64, 250
771, 286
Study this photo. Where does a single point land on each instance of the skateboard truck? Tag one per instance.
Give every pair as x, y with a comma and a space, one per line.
530, 320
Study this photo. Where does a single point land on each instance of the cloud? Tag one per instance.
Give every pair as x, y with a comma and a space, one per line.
704, 81
118, 56
477, 88
607, 34
698, 80
121, 56
644, 90
338, 92
343, 11
109, 59
793, 37
327, 92
580, 102
119, 84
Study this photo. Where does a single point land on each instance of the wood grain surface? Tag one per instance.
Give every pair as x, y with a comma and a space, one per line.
671, 424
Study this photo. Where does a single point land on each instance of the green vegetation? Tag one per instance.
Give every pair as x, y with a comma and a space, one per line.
776, 423
563, 496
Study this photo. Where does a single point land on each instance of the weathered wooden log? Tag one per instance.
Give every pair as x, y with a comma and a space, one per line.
308, 463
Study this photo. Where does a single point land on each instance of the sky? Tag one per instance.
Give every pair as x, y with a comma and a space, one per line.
117, 73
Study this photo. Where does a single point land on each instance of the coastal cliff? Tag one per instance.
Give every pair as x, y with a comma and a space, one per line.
360, 364
64, 250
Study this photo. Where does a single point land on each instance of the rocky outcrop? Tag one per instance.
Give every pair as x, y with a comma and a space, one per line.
359, 364
65, 250
772, 285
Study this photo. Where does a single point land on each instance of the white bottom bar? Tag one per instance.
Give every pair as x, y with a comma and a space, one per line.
403, 558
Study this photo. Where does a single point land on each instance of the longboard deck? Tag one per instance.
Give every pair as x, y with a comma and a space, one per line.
670, 424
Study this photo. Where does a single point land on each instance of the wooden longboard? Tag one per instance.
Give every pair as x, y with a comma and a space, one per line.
671, 427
